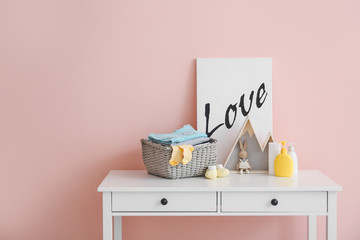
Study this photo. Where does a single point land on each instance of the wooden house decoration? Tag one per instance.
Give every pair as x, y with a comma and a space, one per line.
257, 151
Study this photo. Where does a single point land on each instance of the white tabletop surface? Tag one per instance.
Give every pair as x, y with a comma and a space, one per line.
140, 180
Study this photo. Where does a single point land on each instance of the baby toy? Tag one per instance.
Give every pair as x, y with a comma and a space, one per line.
243, 163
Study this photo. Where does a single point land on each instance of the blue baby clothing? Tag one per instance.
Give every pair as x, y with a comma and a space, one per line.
181, 135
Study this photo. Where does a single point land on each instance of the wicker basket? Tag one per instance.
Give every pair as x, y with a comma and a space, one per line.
156, 158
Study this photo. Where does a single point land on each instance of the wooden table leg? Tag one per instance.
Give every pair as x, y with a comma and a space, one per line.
331, 219
312, 227
117, 228
107, 217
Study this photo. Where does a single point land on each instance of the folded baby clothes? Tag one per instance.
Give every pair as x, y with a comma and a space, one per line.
181, 153
195, 141
180, 135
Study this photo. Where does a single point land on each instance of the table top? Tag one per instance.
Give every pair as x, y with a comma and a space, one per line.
140, 180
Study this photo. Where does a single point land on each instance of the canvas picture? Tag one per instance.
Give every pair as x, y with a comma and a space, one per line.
230, 91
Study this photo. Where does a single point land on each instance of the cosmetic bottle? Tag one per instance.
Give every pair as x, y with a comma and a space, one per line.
283, 165
291, 151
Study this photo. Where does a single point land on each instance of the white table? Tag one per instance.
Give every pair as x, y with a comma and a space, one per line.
135, 193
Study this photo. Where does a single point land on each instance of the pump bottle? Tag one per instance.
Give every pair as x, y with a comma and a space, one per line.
283, 165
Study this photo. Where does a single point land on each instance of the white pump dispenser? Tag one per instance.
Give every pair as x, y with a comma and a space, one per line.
291, 152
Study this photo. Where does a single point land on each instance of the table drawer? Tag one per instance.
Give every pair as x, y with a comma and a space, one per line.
286, 202
175, 201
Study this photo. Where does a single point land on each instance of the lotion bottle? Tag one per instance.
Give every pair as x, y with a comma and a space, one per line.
292, 154
274, 150
283, 165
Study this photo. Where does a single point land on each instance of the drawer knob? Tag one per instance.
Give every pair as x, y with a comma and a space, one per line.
274, 202
164, 201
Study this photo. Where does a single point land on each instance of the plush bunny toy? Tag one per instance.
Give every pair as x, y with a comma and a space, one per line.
243, 163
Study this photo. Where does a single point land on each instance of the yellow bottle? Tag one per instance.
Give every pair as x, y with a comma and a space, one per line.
283, 165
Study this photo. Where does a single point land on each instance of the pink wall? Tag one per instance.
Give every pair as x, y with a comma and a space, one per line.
82, 81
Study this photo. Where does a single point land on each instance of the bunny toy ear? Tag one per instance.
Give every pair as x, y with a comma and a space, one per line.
241, 145
245, 145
